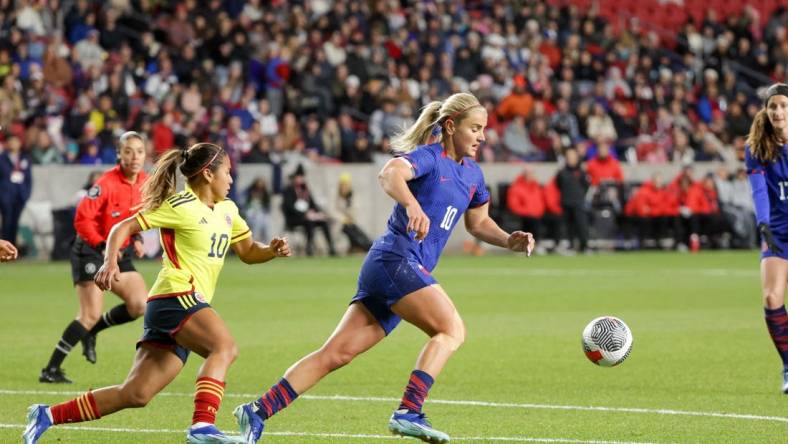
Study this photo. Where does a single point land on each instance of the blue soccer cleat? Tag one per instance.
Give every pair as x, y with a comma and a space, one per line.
249, 423
211, 435
785, 381
38, 421
407, 423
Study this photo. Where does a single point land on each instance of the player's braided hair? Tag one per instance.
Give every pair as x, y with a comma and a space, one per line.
431, 121
162, 182
765, 144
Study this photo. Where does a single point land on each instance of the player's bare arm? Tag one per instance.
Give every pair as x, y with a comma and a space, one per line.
393, 179
479, 223
253, 252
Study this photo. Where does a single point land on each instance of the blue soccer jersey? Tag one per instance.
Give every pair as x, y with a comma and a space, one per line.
444, 189
775, 176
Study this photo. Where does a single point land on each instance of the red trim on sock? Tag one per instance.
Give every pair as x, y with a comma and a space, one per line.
207, 399
79, 409
92, 402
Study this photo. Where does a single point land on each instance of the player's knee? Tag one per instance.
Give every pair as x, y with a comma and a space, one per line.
88, 319
772, 299
335, 359
227, 350
137, 397
136, 309
452, 334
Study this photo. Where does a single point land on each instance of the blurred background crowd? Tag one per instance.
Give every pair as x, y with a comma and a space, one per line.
333, 80
650, 82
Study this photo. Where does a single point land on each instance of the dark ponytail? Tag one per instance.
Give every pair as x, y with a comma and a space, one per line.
162, 182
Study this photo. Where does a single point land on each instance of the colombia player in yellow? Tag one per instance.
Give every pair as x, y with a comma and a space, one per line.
197, 227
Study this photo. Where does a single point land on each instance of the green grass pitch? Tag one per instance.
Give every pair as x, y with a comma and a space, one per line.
702, 369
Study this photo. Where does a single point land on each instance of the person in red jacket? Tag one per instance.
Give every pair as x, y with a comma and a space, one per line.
525, 199
112, 199
553, 218
604, 166
700, 210
653, 212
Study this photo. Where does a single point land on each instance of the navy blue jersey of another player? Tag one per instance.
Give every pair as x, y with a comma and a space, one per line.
775, 175
444, 189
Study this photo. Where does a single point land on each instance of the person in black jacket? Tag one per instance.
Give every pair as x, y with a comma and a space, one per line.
16, 185
300, 210
572, 182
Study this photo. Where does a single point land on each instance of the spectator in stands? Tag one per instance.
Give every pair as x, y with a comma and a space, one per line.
43, 151
517, 142
16, 185
565, 123
600, 125
345, 207
736, 206
699, 209
572, 182
301, 210
604, 167
518, 102
257, 209
652, 214
525, 199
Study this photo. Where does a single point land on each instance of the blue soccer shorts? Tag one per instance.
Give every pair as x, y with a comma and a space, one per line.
385, 278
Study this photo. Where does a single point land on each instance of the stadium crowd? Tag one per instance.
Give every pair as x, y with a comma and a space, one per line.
333, 80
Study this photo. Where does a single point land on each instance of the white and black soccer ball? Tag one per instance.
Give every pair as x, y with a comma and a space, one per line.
607, 341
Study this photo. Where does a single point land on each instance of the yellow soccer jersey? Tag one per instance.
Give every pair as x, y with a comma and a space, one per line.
195, 239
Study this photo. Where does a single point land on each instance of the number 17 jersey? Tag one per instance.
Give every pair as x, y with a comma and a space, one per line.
195, 239
776, 177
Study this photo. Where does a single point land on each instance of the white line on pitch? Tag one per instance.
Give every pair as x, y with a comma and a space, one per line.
342, 435
456, 402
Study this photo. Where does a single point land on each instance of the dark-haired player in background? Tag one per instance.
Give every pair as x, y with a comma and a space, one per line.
113, 198
767, 167
434, 185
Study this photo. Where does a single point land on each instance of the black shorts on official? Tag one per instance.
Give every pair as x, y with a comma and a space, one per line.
86, 260
165, 317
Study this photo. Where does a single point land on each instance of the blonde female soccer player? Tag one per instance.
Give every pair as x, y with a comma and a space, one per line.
767, 167
197, 226
434, 185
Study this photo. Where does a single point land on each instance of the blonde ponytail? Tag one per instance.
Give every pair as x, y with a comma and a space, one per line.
762, 139
419, 132
431, 119
161, 184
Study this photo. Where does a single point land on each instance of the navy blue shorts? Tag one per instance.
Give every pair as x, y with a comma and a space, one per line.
385, 278
165, 317
767, 252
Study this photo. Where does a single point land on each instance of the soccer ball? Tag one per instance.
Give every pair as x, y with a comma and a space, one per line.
607, 341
